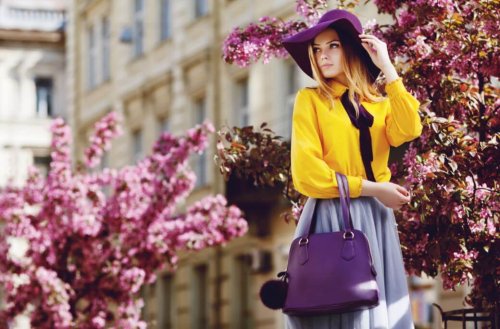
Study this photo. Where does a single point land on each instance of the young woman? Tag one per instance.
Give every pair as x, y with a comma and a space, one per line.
332, 132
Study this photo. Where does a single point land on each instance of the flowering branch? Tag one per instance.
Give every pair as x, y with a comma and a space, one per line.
104, 131
73, 256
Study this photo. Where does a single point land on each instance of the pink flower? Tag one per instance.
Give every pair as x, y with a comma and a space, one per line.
405, 18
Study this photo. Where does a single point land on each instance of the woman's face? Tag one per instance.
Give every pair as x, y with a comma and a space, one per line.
328, 53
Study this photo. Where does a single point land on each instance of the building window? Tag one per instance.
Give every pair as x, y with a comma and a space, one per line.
422, 295
137, 149
292, 83
92, 58
165, 19
241, 101
200, 8
42, 163
144, 296
243, 298
166, 302
147, 294
200, 160
200, 111
44, 97
105, 49
138, 27
200, 297
163, 125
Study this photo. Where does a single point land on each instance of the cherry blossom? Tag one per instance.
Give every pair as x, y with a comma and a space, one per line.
76, 247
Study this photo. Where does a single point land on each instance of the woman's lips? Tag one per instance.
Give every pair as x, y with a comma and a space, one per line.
326, 65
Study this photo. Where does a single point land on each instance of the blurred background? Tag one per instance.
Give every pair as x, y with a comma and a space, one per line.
158, 63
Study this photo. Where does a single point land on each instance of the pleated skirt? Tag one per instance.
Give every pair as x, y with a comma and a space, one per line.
377, 221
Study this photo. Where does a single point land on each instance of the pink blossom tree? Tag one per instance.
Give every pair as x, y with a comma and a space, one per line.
76, 247
448, 55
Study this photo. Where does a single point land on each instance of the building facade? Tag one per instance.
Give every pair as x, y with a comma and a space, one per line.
158, 63
32, 83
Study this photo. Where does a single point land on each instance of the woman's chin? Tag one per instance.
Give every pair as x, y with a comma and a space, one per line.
330, 75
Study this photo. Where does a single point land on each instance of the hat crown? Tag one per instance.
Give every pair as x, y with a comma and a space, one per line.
338, 14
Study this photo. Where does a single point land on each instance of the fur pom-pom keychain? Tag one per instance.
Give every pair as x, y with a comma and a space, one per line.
273, 292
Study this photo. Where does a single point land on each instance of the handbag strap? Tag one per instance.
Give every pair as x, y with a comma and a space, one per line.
346, 192
345, 202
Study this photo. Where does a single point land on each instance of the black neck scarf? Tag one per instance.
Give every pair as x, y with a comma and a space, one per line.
363, 123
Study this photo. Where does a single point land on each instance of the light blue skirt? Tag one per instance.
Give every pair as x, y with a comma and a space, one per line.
377, 221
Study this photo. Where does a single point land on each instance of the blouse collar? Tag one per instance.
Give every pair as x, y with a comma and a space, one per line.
338, 88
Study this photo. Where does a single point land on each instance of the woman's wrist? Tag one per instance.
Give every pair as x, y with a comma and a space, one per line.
369, 188
390, 73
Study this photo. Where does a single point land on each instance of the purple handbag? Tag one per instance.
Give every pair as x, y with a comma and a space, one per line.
329, 272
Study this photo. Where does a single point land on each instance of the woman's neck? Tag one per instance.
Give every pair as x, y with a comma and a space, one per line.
342, 79
337, 87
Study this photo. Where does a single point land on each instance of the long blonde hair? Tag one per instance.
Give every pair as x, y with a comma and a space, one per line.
356, 73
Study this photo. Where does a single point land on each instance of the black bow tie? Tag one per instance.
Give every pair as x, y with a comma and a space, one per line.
363, 123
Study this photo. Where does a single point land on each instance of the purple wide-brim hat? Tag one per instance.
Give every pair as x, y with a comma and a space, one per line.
344, 23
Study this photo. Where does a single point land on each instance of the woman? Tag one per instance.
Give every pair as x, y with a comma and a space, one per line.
331, 132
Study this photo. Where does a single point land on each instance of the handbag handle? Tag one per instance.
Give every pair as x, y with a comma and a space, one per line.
345, 202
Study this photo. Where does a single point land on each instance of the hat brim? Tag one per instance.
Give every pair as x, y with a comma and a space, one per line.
297, 44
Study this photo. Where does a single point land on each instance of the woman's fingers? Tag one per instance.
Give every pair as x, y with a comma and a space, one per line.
372, 42
402, 190
371, 37
372, 45
405, 195
369, 46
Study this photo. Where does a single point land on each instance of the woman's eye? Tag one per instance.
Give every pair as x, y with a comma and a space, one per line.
333, 44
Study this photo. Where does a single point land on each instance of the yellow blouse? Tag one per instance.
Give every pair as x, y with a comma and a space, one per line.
325, 141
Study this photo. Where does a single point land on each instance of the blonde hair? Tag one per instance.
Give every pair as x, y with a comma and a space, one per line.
355, 71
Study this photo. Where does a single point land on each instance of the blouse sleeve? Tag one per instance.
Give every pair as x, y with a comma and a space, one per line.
403, 123
310, 173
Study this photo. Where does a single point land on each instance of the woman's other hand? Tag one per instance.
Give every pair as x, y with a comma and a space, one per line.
391, 195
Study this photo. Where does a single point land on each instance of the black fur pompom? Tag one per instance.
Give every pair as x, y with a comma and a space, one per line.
273, 293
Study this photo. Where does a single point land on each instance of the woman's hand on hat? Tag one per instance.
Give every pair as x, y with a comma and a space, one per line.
377, 49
